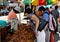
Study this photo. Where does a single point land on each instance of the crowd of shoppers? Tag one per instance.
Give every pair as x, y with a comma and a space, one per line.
50, 28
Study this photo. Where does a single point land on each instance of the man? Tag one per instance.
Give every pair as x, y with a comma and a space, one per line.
45, 15
55, 14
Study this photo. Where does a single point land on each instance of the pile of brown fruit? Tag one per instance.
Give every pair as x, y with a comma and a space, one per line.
24, 34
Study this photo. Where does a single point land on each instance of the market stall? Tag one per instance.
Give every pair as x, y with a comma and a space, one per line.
24, 34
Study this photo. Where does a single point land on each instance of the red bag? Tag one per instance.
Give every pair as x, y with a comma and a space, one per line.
51, 37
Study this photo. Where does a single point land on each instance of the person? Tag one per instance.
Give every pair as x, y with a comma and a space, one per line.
40, 35
5, 10
55, 14
52, 26
13, 12
45, 15
33, 9
48, 9
51, 8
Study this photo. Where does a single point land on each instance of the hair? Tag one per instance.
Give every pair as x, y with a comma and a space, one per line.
28, 10
50, 6
47, 8
15, 11
56, 7
41, 8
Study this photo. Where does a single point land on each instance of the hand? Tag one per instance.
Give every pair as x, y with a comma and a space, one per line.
36, 33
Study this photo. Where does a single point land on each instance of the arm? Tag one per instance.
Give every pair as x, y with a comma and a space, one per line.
34, 18
58, 19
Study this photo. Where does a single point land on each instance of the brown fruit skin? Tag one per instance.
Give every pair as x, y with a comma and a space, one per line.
23, 34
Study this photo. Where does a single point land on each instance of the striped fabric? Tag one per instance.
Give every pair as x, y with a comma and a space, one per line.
51, 23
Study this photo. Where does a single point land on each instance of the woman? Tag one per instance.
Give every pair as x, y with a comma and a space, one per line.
39, 34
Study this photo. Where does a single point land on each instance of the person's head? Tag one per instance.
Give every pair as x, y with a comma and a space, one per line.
50, 7
47, 8
17, 9
41, 10
4, 7
56, 7
28, 11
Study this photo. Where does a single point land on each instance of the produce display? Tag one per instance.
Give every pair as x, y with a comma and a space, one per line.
24, 34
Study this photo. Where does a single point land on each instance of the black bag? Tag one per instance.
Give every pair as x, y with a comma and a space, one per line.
42, 24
